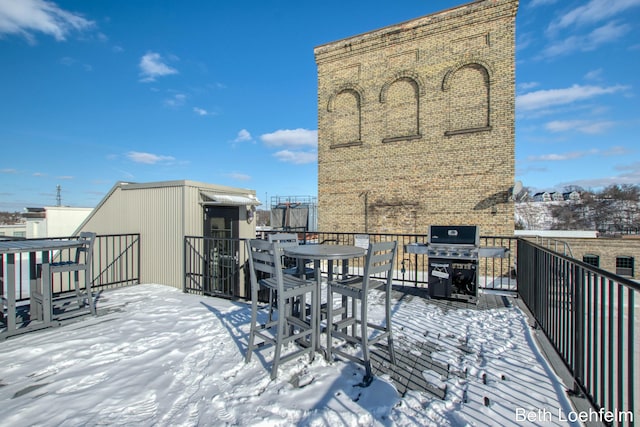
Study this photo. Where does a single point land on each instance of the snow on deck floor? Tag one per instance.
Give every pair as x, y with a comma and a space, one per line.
159, 357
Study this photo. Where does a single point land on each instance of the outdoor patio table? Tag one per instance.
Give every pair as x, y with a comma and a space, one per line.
329, 253
8, 251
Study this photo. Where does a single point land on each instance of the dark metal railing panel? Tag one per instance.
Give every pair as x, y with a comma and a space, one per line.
214, 266
589, 316
412, 269
193, 264
409, 269
500, 270
115, 263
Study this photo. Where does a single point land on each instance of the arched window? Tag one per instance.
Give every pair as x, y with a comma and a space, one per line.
345, 111
401, 109
468, 99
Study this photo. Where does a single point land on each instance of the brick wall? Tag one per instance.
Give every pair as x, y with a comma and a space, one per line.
416, 124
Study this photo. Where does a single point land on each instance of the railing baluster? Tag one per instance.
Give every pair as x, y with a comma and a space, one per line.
631, 376
620, 351
610, 346
603, 336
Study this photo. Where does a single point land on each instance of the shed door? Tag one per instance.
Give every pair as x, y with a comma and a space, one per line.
221, 247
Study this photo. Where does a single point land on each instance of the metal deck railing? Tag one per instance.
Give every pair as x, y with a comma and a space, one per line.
115, 263
591, 318
212, 270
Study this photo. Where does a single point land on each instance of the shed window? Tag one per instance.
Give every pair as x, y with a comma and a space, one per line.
593, 260
624, 266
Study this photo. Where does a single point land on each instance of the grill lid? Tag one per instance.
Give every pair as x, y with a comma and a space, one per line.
468, 235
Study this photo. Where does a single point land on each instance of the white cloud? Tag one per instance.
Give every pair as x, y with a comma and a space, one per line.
126, 175
152, 65
536, 3
524, 40
26, 17
243, 136
203, 112
528, 85
583, 126
607, 15
239, 176
558, 157
562, 126
70, 62
631, 176
554, 157
177, 100
553, 97
616, 150
295, 141
605, 34
592, 12
296, 157
148, 158
291, 138
594, 74
8, 170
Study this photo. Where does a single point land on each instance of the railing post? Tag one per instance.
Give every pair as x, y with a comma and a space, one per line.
578, 312
184, 264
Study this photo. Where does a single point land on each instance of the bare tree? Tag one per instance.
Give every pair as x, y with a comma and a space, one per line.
616, 208
10, 218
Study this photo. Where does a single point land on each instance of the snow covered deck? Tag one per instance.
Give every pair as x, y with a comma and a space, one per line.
157, 356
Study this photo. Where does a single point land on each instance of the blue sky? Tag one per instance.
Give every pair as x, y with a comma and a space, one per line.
95, 92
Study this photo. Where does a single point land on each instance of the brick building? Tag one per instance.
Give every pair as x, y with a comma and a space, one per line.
616, 255
416, 123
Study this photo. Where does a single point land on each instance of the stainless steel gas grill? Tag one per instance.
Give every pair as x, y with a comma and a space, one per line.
453, 253
453, 261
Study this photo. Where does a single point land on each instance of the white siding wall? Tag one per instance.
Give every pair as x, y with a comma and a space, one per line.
15, 230
63, 221
36, 227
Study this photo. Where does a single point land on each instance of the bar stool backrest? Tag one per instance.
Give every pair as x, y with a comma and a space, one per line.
87, 248
262, 259
380, 259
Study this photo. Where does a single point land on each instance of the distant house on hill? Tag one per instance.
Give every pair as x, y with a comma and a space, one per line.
572, 195
555, 196
542, 197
